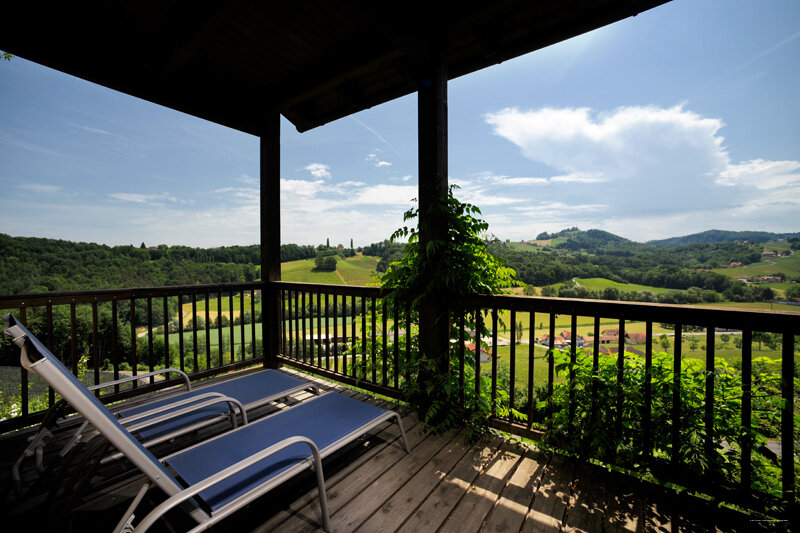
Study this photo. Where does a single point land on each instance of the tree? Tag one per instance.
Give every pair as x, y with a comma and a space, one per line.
520, 331
351, 243
6, 56
664, 341
327, 243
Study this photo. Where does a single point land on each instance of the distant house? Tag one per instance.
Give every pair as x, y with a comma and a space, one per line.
485, 356
340, 247
563, 340
604, 339
769, 253
770, 279
636, 338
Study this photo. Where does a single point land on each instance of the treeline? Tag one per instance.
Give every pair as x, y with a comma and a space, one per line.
31, 264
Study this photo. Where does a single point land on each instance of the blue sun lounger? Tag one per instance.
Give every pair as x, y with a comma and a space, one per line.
213, 479
166, 418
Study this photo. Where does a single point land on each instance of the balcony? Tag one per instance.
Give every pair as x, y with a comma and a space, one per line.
345, 335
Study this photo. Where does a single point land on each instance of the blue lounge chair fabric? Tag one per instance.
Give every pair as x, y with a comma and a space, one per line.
229, 471
252, 390
326, 420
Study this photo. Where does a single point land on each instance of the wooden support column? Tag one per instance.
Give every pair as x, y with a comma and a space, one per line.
432, 153
271, 239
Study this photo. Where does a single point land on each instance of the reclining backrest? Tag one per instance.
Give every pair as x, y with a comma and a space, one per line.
37, 358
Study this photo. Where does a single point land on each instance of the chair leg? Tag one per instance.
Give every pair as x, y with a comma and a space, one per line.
323, 498
402, 431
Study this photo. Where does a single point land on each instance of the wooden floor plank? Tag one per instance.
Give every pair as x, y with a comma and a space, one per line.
439, 503
585, 508
550, 500
511, 509
378, 490
623, 505
473, 508
403, 502
366, 465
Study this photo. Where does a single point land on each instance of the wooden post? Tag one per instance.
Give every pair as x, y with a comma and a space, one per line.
432, 153
270, 239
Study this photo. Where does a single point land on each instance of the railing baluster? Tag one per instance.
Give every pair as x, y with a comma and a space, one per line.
620, 376
709, 407
242, 326
595, 367
51, 395
167, 360
181, 347
531, 354
408, 341
551, 368
493, 356
373, 339
114, 341
648, 390
384, 352
747, 395
220, 342
320, 346
150, 365
573, 353
676, 395
134, 357
253, 324
208, 332
23, 375
232, 327
336, 335
303, 318
363, 338
460, 359
73, 342
787, 416
196, 366
478, 328
95, 346
327, 335
353, 331
512, 362
396, 345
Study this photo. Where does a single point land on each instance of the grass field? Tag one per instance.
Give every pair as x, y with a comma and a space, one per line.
598, 284
357, 270
788, 265
758, 306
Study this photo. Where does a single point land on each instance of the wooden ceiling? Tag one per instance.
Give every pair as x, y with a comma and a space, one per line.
238, 61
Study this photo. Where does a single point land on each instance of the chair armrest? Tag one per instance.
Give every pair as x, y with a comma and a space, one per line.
142, 376
212, 480
188, 405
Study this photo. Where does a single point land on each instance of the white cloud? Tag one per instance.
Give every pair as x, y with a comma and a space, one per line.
249, 180
153, 199
90, 129
375, 160
386, 195
41, 188
761, 174
640, 163
319, 171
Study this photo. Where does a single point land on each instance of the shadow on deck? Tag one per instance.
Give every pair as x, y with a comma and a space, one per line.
445, 484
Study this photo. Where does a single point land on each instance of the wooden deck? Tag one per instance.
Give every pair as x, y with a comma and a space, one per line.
449, 485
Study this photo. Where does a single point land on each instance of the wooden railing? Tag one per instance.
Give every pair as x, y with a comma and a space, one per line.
348, 334
185, 334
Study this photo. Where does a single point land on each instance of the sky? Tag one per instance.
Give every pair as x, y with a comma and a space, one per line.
682, 119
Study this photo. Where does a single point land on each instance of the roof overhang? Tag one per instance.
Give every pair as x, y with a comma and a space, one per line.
238, 61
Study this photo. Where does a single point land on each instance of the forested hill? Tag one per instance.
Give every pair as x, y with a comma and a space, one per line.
31, 264
715, 236
597, 253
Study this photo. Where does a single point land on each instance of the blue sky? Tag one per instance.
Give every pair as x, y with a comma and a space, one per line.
682, 119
